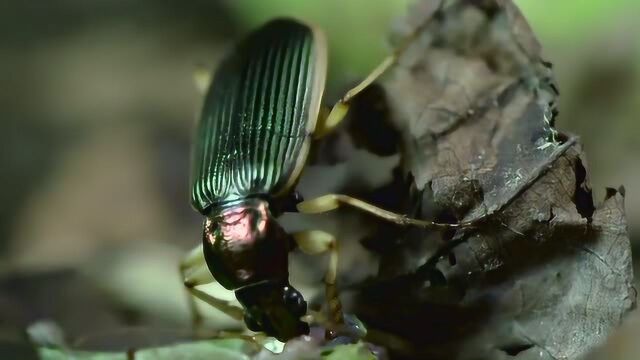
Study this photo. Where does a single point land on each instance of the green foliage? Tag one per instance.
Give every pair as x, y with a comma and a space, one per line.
570, 20
227, 349
356, 29
224, 349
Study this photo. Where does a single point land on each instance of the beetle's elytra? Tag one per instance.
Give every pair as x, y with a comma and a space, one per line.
260, 113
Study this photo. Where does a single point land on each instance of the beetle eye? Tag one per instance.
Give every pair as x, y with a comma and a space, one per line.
295, 301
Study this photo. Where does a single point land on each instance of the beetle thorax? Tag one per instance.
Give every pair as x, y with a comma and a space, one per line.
244, 244
243, 225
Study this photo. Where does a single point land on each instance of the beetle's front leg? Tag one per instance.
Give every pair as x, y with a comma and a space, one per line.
316, 242
194, 272
333, 201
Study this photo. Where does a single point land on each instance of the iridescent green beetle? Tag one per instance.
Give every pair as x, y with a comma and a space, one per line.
260, 114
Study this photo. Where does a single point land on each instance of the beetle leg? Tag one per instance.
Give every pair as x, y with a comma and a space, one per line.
291, 202
327, 122
202, 79
333, 201
194, 272
316, 242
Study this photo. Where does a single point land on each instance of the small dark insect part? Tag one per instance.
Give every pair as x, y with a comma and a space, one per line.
261, 111
547, 64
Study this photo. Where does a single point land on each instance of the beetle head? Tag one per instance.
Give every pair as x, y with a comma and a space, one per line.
275, 308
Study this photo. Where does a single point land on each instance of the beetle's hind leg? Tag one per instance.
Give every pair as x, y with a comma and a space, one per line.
333, 201
194, 272
330, 119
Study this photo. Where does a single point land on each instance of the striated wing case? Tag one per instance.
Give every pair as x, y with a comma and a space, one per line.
261, 107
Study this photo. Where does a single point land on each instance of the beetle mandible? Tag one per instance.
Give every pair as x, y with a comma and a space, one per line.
261, 111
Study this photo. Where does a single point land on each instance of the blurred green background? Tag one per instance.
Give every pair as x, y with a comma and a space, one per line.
97, 107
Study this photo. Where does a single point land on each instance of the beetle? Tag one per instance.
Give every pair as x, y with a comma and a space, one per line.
261, 112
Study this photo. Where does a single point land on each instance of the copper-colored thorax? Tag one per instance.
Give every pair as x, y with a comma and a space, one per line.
244, 244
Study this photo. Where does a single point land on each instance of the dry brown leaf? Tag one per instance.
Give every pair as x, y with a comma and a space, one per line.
549, 275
